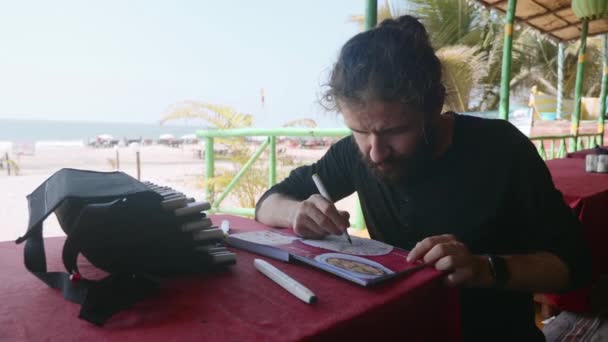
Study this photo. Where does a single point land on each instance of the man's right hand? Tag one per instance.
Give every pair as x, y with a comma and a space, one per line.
316, 217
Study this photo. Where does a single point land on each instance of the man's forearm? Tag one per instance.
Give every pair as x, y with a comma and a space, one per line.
277, 210
539, 272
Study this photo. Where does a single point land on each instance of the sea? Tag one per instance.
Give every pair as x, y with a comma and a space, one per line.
66, 132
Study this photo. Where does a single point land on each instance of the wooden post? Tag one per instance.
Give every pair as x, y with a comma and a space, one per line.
8, 163
137, 162
117, 158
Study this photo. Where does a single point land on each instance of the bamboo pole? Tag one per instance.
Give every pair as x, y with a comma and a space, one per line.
604, 91
371, 18
371, 14
578, 90
272, 162
505, 76
277, 132
209, 166
560, 79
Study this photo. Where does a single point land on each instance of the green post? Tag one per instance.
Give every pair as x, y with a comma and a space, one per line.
371, 14
359, 221
560, 79
371, 19
239, 175
505, 77
578, 90
209, 166
272, 172
604, 91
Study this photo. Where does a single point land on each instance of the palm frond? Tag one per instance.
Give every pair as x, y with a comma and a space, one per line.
462, 70
308, 123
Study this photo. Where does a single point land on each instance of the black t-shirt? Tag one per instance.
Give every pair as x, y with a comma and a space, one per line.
490, 189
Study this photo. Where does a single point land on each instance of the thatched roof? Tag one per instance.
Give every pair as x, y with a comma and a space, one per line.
551, 17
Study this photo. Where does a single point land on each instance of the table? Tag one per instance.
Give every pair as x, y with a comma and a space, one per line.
583, 153
587, 194
240, 304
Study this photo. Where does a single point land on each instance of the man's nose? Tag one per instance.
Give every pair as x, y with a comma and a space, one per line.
379, 150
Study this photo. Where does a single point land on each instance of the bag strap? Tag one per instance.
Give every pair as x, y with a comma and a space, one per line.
99, 300
35, 262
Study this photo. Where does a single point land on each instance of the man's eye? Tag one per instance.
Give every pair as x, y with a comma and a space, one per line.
400, 130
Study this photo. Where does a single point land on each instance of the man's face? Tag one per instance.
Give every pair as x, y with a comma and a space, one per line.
390, 137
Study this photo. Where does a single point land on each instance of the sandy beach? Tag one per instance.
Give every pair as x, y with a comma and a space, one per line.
179, 168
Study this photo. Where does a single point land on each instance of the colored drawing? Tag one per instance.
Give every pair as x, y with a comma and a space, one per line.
267, 237
361, 267
360, 246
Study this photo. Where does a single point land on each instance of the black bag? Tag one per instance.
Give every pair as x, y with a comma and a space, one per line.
118, 224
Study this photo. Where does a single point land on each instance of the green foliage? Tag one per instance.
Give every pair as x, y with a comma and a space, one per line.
463, 68
255, 180
452, 24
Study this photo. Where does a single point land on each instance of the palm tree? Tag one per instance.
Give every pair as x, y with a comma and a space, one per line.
451, 35
454, 23
222, 117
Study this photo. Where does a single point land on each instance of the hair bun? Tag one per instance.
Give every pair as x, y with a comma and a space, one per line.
411, 27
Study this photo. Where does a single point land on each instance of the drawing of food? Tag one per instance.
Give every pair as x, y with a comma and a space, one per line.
355, 266
358, 266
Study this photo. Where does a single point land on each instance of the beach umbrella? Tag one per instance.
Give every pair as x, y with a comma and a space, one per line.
105, 137
188, 137
166, 137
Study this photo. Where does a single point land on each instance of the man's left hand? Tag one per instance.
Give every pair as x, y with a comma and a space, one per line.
449, 255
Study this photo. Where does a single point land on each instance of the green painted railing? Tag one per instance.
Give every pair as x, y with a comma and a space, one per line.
549, 147
558, 146
271, 135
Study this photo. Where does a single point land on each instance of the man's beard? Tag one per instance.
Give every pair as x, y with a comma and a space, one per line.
402, 169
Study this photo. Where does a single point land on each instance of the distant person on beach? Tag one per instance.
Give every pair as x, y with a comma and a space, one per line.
470, 196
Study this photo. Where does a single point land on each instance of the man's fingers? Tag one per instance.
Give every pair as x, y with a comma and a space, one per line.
323, 221
424, 246
336, 225
307, 228
446, 264
329, 209
441, 250
345, 215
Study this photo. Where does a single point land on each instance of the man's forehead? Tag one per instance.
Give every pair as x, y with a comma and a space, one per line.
378, 114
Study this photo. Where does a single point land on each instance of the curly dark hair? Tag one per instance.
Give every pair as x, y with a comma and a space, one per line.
392, 62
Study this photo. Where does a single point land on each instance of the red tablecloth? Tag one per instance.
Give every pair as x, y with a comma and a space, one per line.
587, 194
238, 305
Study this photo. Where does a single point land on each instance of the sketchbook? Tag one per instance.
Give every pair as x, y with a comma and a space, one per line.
366, 262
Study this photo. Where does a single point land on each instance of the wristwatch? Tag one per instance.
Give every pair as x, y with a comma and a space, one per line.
498, 270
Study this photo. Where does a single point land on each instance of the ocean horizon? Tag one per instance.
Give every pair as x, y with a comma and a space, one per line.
33, 131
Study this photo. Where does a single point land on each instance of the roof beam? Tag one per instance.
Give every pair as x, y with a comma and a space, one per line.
496, 3
548, 12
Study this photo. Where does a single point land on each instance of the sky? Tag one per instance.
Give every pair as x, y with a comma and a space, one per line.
128, 61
